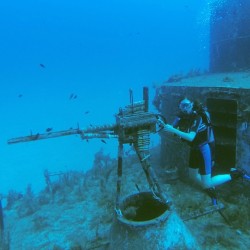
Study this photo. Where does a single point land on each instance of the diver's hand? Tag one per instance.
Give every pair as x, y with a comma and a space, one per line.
169, 128
160, 122
165, 126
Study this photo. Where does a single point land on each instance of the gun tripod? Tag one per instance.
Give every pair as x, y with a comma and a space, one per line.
135, 126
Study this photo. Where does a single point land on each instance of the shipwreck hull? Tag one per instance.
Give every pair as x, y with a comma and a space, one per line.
227, 97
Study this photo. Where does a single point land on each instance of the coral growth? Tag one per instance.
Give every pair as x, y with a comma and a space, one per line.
191, 73
77, 213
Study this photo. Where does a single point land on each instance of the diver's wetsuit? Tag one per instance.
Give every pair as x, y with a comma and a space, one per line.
200, 153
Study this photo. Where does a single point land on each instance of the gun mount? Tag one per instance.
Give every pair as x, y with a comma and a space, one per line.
133, 126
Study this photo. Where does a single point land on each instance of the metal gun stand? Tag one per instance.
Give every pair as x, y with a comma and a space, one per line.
135, 124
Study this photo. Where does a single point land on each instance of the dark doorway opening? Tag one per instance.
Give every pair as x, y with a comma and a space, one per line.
224, 120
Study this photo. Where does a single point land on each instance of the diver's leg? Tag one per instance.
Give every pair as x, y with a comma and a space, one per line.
206, 171
194, 175
220, 179
193, 170
205, 163
233, 175
206, 181
208, 187
212, 149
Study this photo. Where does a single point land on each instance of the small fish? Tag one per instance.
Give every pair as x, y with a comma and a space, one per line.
48, 129
42, 65
103, 141
72, 96
20, 95
86, 112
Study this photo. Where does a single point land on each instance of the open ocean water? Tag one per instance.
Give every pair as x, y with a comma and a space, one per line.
96, 50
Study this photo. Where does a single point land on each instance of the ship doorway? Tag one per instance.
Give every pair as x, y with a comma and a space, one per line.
224, 120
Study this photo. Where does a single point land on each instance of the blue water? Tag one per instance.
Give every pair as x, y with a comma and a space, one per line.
95, 49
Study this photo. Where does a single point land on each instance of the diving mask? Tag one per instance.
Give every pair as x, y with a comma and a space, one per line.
186, 106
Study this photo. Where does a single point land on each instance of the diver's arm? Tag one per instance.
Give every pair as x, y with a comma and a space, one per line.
186, 136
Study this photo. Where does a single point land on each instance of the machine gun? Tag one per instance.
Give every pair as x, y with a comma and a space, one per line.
133, 126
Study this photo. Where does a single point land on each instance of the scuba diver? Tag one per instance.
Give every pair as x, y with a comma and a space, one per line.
193, 125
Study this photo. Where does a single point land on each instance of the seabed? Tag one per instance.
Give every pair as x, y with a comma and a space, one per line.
78, 212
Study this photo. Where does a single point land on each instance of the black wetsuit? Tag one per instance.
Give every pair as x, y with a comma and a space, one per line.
200, 153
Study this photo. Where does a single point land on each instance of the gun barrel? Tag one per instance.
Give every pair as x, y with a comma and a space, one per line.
77, 131
39, 136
